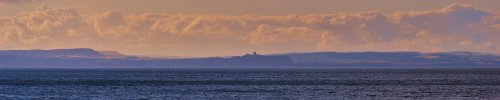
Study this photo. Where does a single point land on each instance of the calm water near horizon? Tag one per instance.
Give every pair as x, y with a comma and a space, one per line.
251, 83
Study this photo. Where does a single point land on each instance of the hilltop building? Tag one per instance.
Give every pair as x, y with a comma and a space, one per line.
257, 59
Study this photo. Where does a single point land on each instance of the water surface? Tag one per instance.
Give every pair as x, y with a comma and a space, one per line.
251, 83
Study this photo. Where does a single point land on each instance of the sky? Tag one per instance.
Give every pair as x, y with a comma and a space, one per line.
200, 28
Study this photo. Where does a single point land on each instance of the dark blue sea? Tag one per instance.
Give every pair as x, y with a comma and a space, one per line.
251, 83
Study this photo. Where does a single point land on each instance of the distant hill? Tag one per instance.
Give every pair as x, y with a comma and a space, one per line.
397, 58
76, 52
89, 58
112, 54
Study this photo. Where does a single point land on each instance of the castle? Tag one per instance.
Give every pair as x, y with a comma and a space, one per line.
253, 54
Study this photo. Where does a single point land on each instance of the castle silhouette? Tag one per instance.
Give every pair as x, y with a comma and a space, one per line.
253, 54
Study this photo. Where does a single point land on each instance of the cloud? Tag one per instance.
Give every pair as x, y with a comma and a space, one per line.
456, 27
16, 1
107, 22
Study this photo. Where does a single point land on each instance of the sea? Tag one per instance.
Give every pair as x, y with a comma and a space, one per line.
250, 83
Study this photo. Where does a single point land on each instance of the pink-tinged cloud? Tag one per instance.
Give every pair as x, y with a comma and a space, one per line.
456, 27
